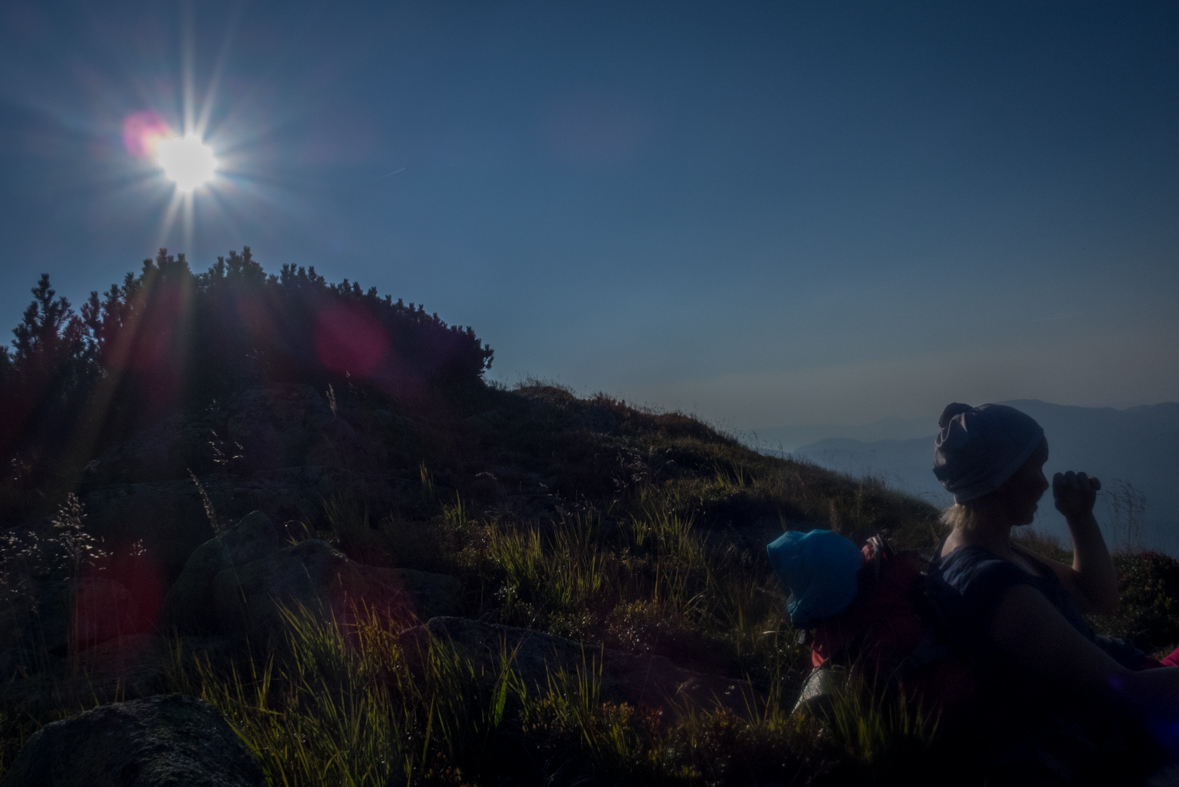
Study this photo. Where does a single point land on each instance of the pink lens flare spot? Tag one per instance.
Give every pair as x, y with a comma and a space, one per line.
349, 340
142, 132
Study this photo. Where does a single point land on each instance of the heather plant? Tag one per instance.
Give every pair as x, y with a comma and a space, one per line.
1148, 583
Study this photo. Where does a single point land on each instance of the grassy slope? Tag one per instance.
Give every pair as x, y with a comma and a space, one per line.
604, 523
585, 518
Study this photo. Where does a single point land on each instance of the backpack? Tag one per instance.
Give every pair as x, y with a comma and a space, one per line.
898, 632
905, 631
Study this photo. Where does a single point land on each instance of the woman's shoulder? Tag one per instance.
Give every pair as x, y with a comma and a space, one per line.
972, 569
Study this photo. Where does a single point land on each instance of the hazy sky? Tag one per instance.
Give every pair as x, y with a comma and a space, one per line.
762, 213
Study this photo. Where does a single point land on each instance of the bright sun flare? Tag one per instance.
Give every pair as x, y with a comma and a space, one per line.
186, 160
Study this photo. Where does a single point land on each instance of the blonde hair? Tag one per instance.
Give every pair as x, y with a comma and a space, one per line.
972, 514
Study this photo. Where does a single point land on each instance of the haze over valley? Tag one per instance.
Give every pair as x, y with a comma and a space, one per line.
1137, 446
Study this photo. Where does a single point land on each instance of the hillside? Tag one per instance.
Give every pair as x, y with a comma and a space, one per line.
442, 581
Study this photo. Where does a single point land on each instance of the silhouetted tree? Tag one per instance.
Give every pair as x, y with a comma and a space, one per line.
167, 338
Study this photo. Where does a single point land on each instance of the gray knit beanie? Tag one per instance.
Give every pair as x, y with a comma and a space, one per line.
979, 448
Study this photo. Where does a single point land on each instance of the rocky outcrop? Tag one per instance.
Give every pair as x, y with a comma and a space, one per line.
253, 538
164, 741
259, 429
170, 520
241, 581
649, 680
191, 604
315, 577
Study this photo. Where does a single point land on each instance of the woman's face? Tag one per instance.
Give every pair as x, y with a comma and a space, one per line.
1020, 493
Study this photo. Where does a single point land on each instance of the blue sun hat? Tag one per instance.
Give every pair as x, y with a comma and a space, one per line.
979, 448
820, 569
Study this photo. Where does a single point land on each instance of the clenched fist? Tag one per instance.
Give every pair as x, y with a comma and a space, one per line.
1074, 493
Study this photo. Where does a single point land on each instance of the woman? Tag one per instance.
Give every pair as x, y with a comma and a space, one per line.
1025, 613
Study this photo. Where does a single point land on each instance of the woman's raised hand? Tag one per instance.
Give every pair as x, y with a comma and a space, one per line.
1074, 493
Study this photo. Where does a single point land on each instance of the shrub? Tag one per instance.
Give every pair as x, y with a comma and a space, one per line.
168, 338
1149, 587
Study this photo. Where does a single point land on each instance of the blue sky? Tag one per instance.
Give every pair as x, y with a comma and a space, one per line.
764, 214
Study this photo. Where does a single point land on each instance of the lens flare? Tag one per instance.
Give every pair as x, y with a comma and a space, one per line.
142, 132
187, 161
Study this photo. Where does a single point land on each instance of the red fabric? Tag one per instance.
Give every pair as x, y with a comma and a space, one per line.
1170, 660
881, 628
881, 618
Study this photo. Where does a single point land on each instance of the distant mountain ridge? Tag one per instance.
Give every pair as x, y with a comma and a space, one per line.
1139, 445
790, 438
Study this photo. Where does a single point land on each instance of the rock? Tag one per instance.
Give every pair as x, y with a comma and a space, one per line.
238, 582
253, 538
311, 574
485, 488
322, 580
169, 517
190, 605
649, 680
1165, 777
127, 667
168, 740
337, 444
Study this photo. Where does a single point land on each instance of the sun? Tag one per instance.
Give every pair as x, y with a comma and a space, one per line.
186, 160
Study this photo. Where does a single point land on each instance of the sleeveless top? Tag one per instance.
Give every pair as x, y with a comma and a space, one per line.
981, 579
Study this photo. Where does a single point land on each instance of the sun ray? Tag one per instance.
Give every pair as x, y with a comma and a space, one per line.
187, 224
187, 66
216, 205
202, 125
169, 218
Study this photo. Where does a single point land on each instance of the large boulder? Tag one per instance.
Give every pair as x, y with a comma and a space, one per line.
191, 604
292, 425
164, 741
316, 577
241, 581
170, 520
252, 538
638, 679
